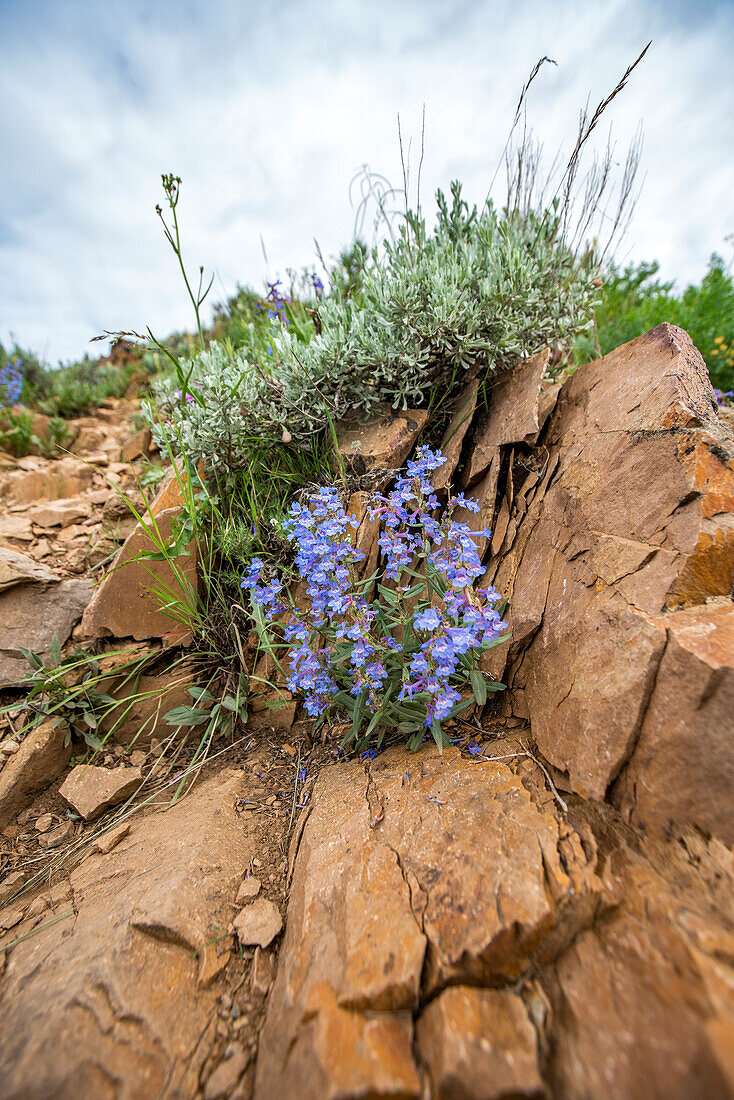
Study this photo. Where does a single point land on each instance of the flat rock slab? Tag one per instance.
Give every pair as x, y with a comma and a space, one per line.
60, 513
479, 1044
258, 923
381, 445
101, 1001
42, 756
17, 568
30, 616
127, 602
90, 790
413, 872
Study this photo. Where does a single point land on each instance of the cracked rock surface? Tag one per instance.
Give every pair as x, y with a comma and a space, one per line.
109, 984
451, 932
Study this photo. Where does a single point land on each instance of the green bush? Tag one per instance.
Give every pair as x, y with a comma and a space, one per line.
634, 301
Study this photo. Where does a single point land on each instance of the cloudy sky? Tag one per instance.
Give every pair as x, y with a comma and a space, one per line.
267, 110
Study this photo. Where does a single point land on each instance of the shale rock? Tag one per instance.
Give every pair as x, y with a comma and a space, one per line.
125, 605
42, 756
479, 1044
31, 615
90, 790
417, 872
62, 478
16, 568
102, 1001
380, 446
620, 515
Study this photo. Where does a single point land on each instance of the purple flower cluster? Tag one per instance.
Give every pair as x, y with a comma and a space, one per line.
278, 303
412, 653
11, 382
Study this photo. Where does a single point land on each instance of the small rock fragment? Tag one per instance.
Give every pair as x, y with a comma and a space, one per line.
258, 923
91, 790
10, 917
138, 757
225, 1077
213, 957
111, 839
261, 977
248, 890
57, 836
44, 823
9, 747
10, 885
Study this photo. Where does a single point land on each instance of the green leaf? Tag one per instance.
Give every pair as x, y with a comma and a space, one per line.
200, 694
186, 716
277, 704
32, 658
55, 651
479, 687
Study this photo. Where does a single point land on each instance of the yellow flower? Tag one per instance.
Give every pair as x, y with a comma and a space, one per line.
719, 340
714, 351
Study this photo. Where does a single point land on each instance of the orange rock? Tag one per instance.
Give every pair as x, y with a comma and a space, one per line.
41, 758
682, 768
479, 1044
380, 446
129, 601
120, 973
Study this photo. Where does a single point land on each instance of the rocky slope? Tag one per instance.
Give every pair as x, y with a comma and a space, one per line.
544, 911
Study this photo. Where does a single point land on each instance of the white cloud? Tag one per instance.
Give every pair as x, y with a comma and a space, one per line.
266, 111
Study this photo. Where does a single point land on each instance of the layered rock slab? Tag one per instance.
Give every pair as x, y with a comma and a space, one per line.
138, 597
101, 999
414, 873
619, 516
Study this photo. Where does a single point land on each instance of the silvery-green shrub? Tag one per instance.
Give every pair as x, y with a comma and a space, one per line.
480, 293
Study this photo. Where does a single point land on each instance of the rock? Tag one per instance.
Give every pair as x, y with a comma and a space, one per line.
138, 758
258, 923
643, 1004
511, 416
57, 836
213, 958
479, 1044
90, 790
126, 605
249, 889
10, 885
31, 615
9, 747
143, 702
44, 823
90, 435
381, 446
455, 433
16, 527
137, 446
111, 838
41, 758
261, 976
411, 873
9, 918
59, 513
61, 478
115, 970
682, 768
16, 568
590, 579
223, 1080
